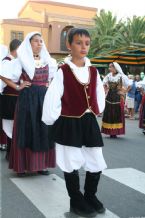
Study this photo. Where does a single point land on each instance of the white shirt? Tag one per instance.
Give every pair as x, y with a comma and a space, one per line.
115, 78
3, 66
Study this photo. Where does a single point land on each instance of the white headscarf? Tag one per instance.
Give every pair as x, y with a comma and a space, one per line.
25, 56
109, 77
118, 68
126, 81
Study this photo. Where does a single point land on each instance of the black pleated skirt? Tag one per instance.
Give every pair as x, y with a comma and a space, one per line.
8, 106
31, 131
78, 132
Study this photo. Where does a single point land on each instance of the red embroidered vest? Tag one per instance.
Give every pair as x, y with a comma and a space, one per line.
78, 97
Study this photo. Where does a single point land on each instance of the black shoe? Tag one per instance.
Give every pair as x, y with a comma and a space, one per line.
44, 172
113, 136
82, 208
78, 205
21, 174
96, 204
78, 212
91, 185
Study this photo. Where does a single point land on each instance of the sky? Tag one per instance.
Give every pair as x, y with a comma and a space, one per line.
121, 8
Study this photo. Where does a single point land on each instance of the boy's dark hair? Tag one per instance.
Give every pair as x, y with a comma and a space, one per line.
14, 44
76, 31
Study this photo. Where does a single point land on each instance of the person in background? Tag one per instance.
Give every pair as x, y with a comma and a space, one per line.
3, 138
141, 75
9, 97
130, 97
113, 121
138, 96
141, 86
32, 147
74, 98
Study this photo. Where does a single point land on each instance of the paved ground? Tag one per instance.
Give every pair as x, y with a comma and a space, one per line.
122, 186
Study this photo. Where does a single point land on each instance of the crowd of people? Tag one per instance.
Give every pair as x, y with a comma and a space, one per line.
133, 96
48, 113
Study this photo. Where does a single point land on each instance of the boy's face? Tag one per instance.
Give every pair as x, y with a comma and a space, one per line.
80, 46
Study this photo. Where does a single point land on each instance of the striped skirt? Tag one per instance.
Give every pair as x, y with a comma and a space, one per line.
3, 137
113, 122
142, 114
25, 160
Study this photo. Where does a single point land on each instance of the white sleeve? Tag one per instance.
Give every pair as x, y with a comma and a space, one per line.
2, 86
126, 81
52, 68
141, 84
52, 101
11, 69
100, 93
105, 80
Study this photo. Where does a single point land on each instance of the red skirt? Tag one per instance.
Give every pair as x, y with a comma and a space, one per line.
3, 138
25, 160
142, 114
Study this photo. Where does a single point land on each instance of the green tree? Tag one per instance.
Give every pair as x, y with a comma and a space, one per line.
108, 34
133, 31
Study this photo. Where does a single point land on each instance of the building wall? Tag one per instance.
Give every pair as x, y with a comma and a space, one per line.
2, 36
29, 12
54, 35
49, 19
7, 28
63, 10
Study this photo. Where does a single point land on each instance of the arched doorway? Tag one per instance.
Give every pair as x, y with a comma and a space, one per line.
63, 38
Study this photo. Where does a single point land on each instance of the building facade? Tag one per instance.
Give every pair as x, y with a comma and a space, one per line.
51, 19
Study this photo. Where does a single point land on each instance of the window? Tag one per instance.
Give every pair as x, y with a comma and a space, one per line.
17, 35
63, 38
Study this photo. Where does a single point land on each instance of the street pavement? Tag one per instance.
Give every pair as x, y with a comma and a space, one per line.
121, 188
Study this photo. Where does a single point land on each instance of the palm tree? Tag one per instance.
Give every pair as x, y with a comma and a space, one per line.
108, 34
134, 31
105, 35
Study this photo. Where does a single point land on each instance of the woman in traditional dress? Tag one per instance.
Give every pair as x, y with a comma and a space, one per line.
141, 86
32, 145
3, 138
9, 97
113, 121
